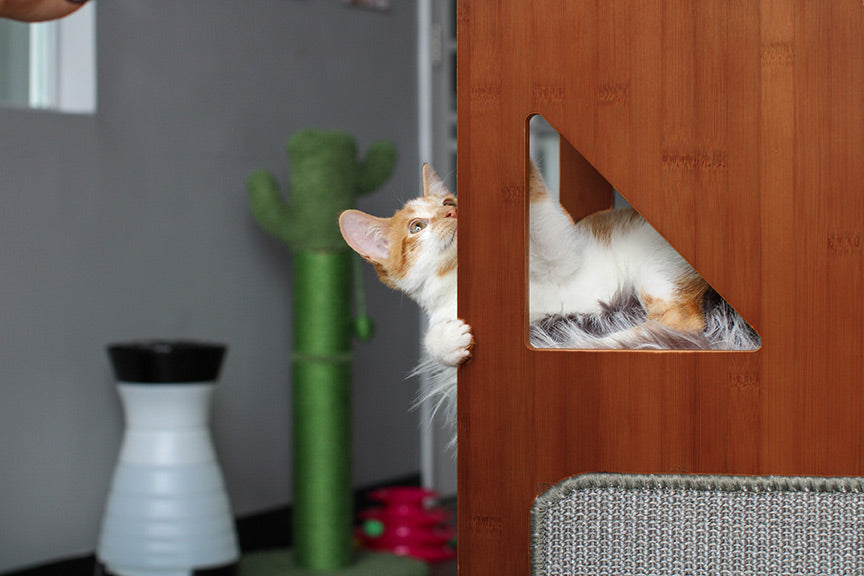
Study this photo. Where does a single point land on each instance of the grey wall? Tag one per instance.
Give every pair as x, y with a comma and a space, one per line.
133, 224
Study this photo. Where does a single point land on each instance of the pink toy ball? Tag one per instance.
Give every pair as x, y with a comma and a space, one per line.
406, 525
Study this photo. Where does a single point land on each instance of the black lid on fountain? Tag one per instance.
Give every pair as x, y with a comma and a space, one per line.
166, 361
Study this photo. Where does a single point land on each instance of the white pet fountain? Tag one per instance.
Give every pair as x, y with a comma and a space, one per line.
167, 512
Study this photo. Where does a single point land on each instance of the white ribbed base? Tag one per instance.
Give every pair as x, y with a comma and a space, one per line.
167, 512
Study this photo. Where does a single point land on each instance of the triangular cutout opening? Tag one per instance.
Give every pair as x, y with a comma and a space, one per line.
600, 277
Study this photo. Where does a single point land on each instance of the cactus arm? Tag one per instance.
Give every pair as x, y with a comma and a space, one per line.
267, 206
376, 167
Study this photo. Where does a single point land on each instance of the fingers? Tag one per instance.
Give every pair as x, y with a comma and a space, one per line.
38, 10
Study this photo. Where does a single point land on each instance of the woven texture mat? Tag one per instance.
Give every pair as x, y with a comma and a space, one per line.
632, 525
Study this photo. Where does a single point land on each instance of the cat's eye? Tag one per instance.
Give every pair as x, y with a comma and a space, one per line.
416, 226
449, 202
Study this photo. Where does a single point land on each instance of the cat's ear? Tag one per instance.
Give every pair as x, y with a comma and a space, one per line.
432, 184
365, 234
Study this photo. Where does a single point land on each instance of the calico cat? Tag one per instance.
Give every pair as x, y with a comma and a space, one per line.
607, 281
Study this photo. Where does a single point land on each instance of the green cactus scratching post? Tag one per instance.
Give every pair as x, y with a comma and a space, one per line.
326, 178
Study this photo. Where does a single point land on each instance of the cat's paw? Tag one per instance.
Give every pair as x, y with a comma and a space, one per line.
449, 342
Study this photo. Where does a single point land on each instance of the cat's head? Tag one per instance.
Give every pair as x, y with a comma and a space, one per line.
415, 249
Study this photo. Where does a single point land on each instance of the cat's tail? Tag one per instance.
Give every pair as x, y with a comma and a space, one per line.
647, 336
725, 330
623, 324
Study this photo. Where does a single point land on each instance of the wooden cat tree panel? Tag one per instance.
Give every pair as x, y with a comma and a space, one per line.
736, 128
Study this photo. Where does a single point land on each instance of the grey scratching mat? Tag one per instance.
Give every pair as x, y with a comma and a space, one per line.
664, 525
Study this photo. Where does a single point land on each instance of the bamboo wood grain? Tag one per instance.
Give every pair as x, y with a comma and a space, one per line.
737, 129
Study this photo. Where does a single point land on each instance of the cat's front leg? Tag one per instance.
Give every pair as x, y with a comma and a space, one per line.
449, 342
554, 249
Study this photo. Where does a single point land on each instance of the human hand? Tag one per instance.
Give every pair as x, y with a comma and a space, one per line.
38, 10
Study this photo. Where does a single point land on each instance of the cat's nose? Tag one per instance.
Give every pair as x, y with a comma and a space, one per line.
450, 212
